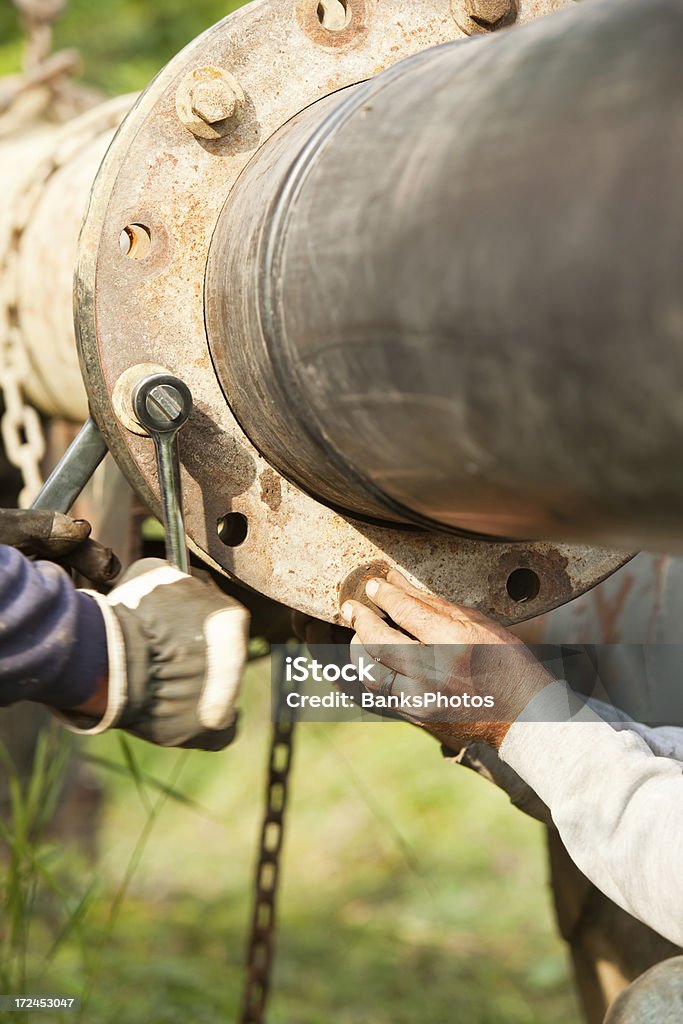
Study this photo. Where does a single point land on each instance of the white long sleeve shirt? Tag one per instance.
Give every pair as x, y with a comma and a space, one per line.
615, 792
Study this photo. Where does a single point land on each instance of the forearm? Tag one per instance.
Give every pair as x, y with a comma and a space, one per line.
52, 639
664, 740
617, 806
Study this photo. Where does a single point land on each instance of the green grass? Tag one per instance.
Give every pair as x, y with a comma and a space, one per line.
412, 891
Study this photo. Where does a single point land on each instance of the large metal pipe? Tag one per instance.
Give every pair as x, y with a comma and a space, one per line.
452, 295
46, 174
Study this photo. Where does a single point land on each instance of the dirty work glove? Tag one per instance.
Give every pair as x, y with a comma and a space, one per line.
57, 538
177, 648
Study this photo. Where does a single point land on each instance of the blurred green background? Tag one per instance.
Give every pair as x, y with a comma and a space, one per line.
123, 43
412, 891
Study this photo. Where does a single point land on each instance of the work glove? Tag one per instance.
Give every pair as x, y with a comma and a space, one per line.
58, 538
177, 649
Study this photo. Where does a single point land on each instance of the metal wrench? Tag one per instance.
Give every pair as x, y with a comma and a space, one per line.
162, 404
73, 471
61, 489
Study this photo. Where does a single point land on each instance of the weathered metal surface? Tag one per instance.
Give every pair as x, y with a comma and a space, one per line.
151, 310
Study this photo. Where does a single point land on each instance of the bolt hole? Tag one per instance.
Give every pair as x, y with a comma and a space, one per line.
135, 241
523, 585
334, 15
232, 529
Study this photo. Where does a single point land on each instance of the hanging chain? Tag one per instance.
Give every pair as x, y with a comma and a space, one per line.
261, 944
21, 428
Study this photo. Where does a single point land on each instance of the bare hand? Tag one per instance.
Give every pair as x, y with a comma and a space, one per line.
475, 663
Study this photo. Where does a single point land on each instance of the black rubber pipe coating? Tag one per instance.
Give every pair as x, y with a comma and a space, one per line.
453, 296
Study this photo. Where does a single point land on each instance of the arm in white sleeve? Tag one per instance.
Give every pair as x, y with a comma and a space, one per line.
617, 805
663, 740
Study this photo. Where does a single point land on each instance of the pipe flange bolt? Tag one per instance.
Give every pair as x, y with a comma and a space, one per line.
475, 17
210, 102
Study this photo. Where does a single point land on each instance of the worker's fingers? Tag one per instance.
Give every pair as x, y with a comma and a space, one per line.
463, 612
430, 623
397, 579
97, 563
70, 531
370, 626
41, 533
468, 617
410, 659
387, 647
406, 669
445, 622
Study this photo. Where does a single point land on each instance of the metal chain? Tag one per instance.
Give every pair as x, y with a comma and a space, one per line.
261, 944
21, 428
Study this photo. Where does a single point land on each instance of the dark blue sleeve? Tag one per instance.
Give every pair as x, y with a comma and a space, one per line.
53, 646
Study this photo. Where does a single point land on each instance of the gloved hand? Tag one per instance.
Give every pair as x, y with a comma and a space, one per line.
58, 538
177, 649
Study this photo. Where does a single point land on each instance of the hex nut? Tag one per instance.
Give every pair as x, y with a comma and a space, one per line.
210, 102
475, 17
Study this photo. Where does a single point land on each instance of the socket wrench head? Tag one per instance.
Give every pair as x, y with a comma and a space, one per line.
162, 403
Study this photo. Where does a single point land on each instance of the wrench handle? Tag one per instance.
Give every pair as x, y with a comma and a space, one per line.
168, 469
73, 471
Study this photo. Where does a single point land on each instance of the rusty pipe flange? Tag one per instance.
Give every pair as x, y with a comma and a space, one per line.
144, 250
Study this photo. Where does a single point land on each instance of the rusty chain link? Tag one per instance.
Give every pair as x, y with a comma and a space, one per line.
261, 944
21, 428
